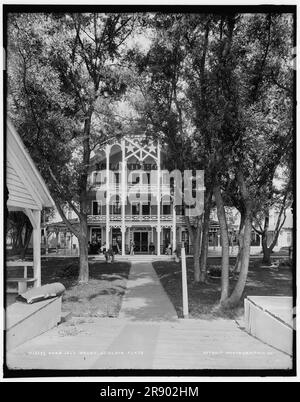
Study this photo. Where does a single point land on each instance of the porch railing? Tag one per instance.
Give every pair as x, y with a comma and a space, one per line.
128, 218
135, 218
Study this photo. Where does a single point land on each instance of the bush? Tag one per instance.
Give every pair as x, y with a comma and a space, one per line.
285, 263
216, 271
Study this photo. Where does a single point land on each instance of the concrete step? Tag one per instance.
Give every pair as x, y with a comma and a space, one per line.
143, 258
65, 316
137, 258
26, 321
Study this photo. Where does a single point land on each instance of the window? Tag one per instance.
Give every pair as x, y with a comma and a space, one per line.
97, 208
146, 209
115, 208
135, 178
166, 209
97, 179
135, 208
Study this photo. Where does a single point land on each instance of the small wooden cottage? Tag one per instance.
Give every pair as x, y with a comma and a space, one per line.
26, 192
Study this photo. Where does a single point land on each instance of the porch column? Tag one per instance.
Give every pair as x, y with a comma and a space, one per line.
123, 195
35, 219
37, 248
123, 230
46, 239
158, 229
158, 199
107, 152
56, 238
174, 229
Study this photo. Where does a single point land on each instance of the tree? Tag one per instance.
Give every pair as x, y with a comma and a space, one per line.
266, 121
236, 79
279, 200
166, 113
63, 78
20, 230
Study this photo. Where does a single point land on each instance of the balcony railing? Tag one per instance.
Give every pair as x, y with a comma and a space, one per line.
135, 218
143, 188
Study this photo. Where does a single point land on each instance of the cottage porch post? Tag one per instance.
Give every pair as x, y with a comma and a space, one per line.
35, 220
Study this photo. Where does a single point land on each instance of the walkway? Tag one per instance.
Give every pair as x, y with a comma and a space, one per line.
145, 298
148, 335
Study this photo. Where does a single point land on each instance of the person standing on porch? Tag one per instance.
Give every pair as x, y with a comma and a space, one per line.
132, 245
152, 248
168, 249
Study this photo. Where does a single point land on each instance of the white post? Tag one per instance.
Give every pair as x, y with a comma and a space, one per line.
123, 230
174, 228
107, 152
56, 233
123, 195
46, 240
158, 239
158, 199
185, 303
37, 247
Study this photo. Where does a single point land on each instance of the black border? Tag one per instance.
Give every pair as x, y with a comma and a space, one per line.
216, 9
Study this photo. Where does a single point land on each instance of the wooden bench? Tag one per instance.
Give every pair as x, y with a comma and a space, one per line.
22, 281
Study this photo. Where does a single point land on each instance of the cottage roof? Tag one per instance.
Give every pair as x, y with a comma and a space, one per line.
25, 184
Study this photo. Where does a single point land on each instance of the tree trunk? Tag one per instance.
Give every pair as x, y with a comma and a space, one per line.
237, 267
196, 246
195, 235
236, 295
266, 250
27, 238
83, 236
225, 243
205, 235
204, 253
83, 276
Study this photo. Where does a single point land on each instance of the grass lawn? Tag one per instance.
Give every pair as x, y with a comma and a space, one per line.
101, 297
203, 298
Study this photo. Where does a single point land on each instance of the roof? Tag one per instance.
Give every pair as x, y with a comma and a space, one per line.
61, 226
27, 188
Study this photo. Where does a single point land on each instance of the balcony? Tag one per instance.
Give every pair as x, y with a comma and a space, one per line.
135, 218
128, 218
141, 188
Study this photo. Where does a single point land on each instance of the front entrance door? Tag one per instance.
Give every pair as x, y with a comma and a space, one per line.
117, 240
141, 242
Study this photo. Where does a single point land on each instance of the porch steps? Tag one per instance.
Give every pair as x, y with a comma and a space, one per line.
137, 258
144, 258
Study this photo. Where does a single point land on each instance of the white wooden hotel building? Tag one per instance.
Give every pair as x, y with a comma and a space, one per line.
140, 221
